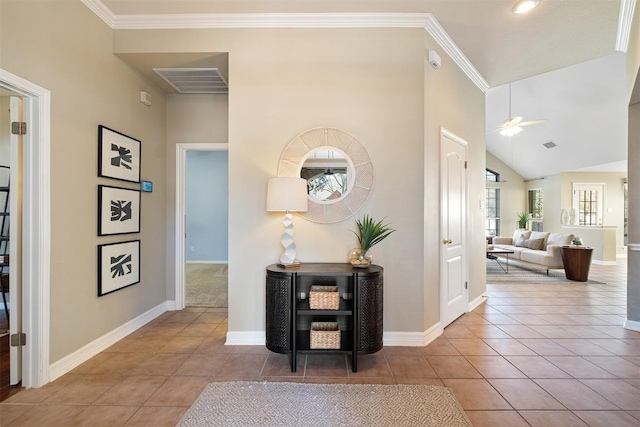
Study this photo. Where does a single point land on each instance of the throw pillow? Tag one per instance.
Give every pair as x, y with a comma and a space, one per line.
521, 242
540, 235
536, 244
520, 233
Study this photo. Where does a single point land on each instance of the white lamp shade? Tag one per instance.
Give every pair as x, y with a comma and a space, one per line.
287, 194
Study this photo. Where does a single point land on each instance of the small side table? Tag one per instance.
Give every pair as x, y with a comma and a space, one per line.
576, 261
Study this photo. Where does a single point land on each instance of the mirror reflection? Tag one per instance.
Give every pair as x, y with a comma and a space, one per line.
328, 173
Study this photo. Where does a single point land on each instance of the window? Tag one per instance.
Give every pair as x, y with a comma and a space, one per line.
535, 208
493, 211
587, 202
492, 176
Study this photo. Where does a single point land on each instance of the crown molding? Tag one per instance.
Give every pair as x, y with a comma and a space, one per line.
625, 22
270, 20
436, 31
103, 12
292, 20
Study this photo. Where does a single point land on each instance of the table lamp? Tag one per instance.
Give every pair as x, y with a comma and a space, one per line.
287, 194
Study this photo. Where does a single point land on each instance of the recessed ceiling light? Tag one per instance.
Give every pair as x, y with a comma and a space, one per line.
524, 6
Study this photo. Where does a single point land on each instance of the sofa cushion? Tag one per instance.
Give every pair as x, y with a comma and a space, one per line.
540, 235
559, 239
536, 257
535, 244
521, 242
518, 233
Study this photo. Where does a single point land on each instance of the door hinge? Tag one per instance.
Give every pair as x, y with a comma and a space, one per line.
465, 164
18, 340
466, 285
19, 128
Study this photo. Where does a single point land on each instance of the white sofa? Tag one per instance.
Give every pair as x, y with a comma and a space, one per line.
535, 247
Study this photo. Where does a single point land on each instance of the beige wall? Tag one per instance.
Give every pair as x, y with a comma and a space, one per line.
65, 48
557, 195
369, 82
633, 274
373, 83
512, 194
633, 51
191, 118
613, 206
454, 103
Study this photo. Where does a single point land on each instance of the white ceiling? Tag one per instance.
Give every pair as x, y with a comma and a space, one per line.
503, 48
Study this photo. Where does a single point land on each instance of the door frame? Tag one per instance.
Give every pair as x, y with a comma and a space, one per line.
455, 138
181, 224
36, 227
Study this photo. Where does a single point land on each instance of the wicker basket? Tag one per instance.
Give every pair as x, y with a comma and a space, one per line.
325, 335
324, 298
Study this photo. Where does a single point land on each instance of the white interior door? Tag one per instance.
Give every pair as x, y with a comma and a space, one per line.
15, 243
453, 196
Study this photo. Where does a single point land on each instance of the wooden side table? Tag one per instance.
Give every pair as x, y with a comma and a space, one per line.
576, 261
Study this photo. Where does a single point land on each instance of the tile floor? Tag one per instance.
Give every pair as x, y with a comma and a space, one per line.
533, 355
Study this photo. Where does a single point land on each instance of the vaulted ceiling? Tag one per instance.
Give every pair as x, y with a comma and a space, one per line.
584, 37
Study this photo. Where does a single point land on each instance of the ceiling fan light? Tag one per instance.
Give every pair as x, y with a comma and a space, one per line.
510, 131
524, 6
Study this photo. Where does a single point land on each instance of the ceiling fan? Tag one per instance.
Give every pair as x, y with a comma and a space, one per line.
513, 125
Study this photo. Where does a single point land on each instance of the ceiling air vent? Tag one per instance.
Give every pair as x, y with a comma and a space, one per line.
550, 144
194, 80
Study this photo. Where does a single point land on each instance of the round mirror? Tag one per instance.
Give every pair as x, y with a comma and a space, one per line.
338, 171
329, 174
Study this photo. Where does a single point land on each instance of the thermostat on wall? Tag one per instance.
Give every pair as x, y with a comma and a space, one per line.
146, 186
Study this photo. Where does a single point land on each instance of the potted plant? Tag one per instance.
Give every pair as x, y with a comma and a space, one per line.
523, 219
369, 234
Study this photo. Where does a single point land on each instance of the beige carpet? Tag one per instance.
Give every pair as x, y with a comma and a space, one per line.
206, 285
253, 404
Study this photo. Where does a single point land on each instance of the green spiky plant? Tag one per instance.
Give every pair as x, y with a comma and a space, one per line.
371, 232
523, 219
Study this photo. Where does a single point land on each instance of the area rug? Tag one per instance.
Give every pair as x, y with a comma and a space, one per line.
520, 272
253, 404
206, 285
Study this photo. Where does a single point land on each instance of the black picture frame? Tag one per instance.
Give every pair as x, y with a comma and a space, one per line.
118, 210
118, 266
119, 155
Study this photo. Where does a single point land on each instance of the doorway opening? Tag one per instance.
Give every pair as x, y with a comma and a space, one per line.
30, 362
201, 224
206, 240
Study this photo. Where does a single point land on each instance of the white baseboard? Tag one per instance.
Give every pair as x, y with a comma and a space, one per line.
633, 325
412, 339
206, 262
391, 339
171, 305
477, 301
75, 359
246, 338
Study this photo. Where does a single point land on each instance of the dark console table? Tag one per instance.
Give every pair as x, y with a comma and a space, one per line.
359, 315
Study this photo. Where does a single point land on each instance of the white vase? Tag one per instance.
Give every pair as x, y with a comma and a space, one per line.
572, 216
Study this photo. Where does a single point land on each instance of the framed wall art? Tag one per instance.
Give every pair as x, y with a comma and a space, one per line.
118, 210
118, 266
118, 155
